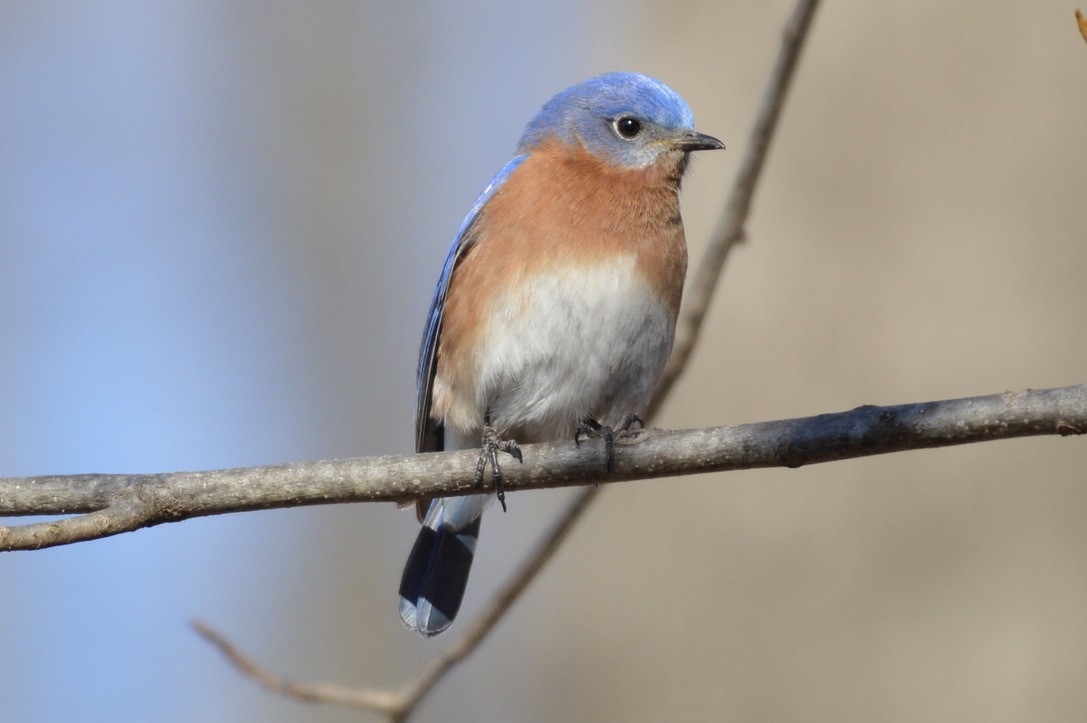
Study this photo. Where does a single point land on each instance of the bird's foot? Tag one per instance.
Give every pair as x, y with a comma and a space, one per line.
488, 454
592, 429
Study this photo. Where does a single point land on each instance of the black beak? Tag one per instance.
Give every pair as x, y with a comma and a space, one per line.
695, 141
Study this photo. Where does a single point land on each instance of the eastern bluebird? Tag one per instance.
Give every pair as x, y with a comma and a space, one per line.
556, 308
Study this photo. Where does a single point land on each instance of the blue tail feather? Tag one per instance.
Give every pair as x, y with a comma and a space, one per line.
436, 575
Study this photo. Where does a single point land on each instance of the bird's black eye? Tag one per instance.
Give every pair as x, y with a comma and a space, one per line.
628, 127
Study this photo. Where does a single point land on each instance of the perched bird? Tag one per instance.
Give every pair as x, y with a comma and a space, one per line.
556, 308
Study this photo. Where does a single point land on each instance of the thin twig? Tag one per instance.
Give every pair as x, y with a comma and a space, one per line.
730, 228
398, 705
380, 700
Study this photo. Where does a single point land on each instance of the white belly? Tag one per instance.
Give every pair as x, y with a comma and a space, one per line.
572, 344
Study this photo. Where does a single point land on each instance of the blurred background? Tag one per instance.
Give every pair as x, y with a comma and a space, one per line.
220, 226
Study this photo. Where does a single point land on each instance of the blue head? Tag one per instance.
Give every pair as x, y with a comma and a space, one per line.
627, 118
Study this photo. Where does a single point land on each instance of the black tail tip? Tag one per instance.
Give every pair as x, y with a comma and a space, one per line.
435, 577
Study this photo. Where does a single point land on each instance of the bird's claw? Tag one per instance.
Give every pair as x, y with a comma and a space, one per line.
592, 429
488, 454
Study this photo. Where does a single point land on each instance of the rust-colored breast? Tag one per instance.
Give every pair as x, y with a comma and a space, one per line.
562, 207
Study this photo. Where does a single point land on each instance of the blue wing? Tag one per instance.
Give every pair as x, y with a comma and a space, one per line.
429, 432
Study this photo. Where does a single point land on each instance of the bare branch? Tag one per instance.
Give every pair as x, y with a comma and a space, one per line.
730, 229
861, 432
379, 700
146, 500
